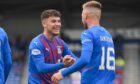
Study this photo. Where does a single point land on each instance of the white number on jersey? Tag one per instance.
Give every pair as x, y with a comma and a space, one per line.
109, 59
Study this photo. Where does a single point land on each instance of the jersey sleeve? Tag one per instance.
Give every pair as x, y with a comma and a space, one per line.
6, 55
86, 41
67, 51
37, 55
86, 53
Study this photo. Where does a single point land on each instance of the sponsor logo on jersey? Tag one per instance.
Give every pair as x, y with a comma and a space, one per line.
36, 52
85, 33
86, 40
35, 42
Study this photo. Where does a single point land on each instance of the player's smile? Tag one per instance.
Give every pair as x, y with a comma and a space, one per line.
56, 29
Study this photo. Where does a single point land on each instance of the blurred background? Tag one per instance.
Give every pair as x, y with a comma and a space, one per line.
21, 21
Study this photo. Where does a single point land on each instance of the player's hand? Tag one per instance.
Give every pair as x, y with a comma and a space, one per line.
68, 60
56, 77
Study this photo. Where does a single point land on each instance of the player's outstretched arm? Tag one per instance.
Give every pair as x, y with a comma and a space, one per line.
79, 64
37, 57
46, 68
43, 67
86, 53
87, 47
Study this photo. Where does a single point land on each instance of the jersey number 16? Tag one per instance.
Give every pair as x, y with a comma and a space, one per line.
108, 58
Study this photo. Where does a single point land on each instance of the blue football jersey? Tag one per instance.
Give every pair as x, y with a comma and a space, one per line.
97, 60
44, 59
5, 56
101, 68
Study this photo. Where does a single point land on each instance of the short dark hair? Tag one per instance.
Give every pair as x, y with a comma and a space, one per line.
51, 12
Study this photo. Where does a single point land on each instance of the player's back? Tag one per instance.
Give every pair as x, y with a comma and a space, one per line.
101, 69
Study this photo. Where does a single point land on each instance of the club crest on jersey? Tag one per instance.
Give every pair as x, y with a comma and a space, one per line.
60, 60
59, 49
36, 52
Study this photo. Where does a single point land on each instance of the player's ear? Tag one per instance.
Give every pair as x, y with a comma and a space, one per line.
86, 17
43, 23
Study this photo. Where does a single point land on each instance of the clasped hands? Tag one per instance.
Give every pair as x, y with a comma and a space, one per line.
67, 60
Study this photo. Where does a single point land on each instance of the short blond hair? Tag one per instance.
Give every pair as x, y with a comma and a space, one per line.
94, 8
92, 4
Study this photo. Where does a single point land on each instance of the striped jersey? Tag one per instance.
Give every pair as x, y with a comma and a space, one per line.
45, 59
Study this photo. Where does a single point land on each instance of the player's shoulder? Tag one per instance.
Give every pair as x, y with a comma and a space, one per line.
101, 28
86, 33
98, 29
105, 31
35, 41
2, 31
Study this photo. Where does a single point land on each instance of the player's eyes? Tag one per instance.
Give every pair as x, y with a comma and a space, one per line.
53, 21
59, 21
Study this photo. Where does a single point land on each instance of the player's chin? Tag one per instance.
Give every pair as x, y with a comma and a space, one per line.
56, 33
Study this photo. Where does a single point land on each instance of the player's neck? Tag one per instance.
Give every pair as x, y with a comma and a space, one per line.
49, 36
93, 23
